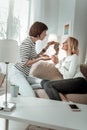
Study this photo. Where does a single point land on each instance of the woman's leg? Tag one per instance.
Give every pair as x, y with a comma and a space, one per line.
51, 91
77, 85
43, 82
17, 78
33, 80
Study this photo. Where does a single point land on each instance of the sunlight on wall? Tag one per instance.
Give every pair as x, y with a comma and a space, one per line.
21, 18
51, 37
62, 53
60, 39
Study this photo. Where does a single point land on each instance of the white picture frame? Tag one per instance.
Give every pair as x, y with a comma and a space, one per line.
67, 29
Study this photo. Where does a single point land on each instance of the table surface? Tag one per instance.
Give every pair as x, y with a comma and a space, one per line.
46, 113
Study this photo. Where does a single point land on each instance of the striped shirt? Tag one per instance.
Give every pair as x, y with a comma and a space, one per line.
27, 52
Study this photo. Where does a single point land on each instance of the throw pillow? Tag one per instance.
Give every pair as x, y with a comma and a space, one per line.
45, 70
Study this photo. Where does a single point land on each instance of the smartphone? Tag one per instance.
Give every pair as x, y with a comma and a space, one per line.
74, 107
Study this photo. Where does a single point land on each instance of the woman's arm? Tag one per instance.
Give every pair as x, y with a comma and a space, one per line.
30, 62
55, 59
28, 54
45, 49
69, 71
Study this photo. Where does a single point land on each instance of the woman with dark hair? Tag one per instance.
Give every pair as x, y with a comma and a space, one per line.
73, 81
20, 71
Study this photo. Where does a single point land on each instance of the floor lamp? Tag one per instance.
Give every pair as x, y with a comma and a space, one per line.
8, 54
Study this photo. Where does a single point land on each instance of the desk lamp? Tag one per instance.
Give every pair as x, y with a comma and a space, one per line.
8, 54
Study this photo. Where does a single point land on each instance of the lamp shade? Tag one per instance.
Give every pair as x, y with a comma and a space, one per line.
9, 51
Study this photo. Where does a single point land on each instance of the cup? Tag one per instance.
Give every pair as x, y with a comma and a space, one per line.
14, 90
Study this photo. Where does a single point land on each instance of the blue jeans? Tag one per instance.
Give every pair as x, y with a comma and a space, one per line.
16, 77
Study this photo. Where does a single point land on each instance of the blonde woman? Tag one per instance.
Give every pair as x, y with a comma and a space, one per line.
73, 81
69, 67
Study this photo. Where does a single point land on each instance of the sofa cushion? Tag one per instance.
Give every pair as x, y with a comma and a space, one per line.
40, 93
45, 70
83, 68
78, 98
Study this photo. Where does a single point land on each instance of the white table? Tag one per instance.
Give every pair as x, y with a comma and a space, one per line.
47, 113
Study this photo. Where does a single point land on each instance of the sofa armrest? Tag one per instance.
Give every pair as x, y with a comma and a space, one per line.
83, 68
77, 98
40, 93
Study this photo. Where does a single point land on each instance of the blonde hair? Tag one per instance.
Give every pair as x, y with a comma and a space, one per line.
73, 45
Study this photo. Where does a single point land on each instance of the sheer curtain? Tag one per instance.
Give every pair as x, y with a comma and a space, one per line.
14, 19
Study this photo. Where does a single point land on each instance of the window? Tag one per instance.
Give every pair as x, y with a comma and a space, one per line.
14, 15
4, 7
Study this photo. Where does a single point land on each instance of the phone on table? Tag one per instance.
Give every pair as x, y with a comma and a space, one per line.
74, 107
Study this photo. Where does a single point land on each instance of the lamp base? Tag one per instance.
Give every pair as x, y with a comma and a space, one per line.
9, 107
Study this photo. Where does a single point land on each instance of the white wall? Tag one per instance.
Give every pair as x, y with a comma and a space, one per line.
80, 27
57, 13
74, 12
51, 15
66, 15
45, 11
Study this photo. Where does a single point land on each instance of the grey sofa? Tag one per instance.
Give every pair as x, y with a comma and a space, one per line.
78, 98
40, 93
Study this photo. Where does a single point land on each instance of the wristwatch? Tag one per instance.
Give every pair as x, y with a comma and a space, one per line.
43, 50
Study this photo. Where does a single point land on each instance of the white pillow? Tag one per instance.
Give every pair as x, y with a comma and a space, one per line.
45, 70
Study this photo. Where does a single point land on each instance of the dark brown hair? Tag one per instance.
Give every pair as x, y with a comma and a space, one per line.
37, 28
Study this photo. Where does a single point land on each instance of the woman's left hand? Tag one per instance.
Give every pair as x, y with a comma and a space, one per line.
45, 57
54, 58
50, 43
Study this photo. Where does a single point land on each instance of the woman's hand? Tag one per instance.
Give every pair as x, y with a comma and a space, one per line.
54, 58
45, 57
47, 46
50, 43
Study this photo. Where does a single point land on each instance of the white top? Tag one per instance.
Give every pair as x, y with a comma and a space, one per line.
69, 67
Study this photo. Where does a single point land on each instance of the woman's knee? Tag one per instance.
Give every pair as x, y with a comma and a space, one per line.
43, 82
47, 85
